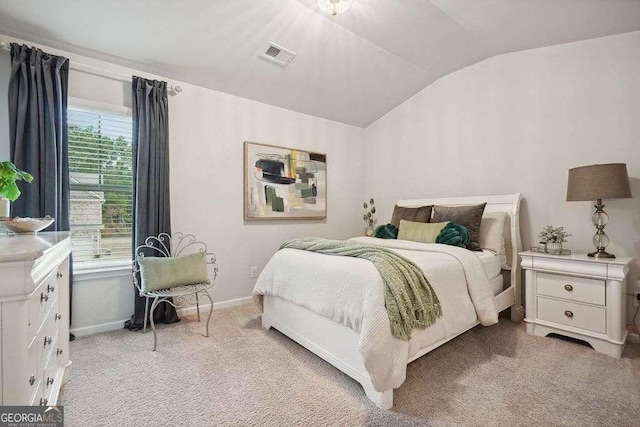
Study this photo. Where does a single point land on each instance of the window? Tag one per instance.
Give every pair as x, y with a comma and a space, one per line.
101, 185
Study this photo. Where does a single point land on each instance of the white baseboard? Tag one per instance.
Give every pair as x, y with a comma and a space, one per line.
96, 329
216, 305
119, 324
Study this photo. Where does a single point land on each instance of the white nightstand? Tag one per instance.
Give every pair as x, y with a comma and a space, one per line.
577, 296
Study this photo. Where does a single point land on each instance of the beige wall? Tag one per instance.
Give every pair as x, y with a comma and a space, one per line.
517, 123
207, 131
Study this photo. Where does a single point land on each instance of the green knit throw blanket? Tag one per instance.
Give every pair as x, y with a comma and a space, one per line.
409, 299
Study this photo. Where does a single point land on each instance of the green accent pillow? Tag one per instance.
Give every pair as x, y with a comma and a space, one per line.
424, 232
454, 234
387, 231
161, 273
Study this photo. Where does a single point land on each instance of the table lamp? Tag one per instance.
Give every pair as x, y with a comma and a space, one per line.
597, 182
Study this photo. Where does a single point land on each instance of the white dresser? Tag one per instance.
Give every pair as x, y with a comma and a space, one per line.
579, 297
34, 309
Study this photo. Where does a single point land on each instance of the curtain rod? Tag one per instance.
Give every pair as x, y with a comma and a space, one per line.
173, 89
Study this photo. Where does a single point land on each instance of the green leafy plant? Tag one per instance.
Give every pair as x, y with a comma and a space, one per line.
9, 175
551, 234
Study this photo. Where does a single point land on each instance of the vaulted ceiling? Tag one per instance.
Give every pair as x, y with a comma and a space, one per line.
353, 68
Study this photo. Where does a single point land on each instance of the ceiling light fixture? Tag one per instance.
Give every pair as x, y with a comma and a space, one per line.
334, 7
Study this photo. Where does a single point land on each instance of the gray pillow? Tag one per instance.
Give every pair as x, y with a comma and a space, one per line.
467, 216
421, 214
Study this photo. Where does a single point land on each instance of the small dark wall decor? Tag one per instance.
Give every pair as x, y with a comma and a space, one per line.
284, 183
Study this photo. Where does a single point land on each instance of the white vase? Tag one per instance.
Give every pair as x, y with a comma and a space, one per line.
4, 207
369, 231
554, 248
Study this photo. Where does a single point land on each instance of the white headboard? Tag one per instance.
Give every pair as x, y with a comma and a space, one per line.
509, 203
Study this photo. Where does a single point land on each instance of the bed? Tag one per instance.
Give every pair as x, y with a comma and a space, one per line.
333, 305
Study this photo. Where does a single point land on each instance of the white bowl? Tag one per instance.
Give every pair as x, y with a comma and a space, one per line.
26, 225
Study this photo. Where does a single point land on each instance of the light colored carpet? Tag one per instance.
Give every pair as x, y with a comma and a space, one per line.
243, 375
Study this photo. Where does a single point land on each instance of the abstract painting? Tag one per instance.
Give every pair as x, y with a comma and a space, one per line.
284, 183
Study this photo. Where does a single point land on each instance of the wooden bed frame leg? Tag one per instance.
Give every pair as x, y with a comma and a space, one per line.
382, 399
266, 322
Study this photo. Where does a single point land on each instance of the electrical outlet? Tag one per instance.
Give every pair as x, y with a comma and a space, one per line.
254, 272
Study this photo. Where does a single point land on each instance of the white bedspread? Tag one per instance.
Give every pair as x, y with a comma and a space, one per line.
350, 291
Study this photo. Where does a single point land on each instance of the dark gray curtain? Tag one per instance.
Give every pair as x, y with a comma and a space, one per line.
39, 140
151, 209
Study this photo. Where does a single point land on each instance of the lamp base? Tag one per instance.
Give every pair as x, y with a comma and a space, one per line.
601, 253
600, 239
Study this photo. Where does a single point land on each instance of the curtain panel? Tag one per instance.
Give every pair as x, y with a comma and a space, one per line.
151, 209
39, 141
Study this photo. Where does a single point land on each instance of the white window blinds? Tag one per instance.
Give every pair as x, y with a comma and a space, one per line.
101, 185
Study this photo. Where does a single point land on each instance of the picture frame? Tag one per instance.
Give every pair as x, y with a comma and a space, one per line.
283, 183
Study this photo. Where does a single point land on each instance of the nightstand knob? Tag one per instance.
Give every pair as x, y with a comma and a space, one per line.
32, 379
568, 313
50, 288
58, 274
568, 288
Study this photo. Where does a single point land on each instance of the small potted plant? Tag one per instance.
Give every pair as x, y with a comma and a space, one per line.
369, 217
554, 237
9, 191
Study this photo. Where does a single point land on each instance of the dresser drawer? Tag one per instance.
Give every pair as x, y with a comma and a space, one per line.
591, 291
573, 314
50, 371
39, 304
48, 333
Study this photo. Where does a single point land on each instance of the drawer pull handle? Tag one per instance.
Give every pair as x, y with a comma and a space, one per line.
50, 288
568, 313
59, 351
32, 380
43, 402
49, 381
568, 288
58, 316
59, 275
47, 341
43, 297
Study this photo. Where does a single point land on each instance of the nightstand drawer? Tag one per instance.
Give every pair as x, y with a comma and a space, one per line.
573, 314
591, 291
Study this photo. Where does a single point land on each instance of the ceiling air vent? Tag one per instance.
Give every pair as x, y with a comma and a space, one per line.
279, 55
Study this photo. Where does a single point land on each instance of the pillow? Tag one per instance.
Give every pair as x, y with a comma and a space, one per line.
421, 214
467, 216
492, 234
162, 273
420, 231
387, 231
454, 234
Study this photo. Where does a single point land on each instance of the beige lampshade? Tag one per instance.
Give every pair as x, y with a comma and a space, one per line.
593, 182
